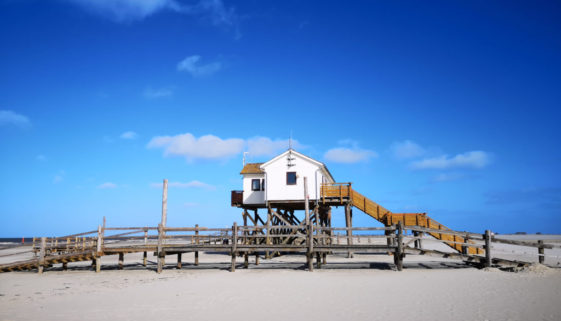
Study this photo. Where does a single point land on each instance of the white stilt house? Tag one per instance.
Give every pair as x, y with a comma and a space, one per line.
281, 181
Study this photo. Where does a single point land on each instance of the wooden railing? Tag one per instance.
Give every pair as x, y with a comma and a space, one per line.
341, 191
310, 240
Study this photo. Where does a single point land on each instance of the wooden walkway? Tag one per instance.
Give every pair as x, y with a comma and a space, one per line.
242, 241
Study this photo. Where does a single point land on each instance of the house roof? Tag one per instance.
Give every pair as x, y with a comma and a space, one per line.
318, 163
252, 168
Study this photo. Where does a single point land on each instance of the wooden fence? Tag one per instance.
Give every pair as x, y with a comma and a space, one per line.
309, 240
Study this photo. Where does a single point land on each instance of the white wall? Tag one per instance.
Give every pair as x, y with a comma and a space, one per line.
249, 196
278, 190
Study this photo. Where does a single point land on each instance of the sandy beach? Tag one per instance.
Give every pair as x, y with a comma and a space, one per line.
363, 287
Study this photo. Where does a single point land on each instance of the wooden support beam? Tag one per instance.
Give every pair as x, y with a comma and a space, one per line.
267, 232
245, 241
310, 248
255, 232
179, 260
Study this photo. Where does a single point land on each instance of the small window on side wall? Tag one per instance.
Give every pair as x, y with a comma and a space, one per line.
255, 184
290, 178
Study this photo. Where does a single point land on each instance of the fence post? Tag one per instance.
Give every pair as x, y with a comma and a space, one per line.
99, 249
311, 247
465, 248
234, 246
145, 254
42, 255
541, 257
398, 256
487, 248
349, 223
160, 252
196, 242
245, 240
121, 260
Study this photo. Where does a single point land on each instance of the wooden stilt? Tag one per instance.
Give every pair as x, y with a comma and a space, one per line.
179, 260
65, 266
255, 239
245, 241
268, 232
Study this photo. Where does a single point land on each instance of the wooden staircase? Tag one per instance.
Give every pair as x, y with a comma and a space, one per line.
345, 193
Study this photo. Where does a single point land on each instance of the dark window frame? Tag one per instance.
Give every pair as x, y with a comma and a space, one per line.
295, 178
258, 181
263, 184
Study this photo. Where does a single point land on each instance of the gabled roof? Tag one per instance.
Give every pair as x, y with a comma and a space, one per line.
311, 160
252, 168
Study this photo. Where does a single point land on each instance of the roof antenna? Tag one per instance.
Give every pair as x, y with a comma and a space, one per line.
290, 140
244, 153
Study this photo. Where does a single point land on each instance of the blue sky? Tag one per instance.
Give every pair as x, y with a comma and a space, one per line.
444, 107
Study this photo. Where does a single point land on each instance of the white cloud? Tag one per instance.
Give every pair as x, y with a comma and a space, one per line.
107, 185
472, 159
208, 147
157, 93
264, 146
349, 155
125, 11
446, 177
406, 149
129, 135
8, 117
59, 177
191, 184
193, 66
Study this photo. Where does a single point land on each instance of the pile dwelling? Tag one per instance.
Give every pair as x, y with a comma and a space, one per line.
286, 207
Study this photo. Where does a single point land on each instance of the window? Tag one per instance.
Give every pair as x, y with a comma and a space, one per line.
255, 185
290, 178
